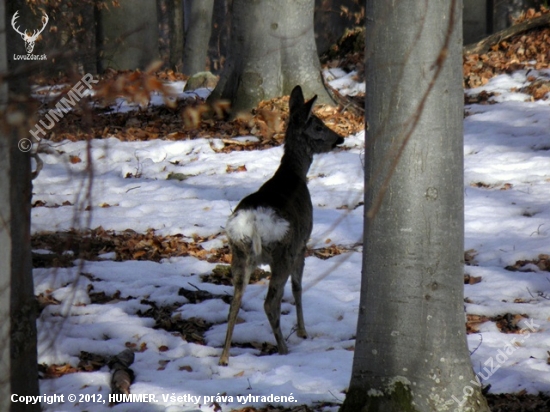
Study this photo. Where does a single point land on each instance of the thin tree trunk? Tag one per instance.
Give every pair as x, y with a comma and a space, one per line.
177, 34
16, 283
15, 45
197, 36
272, 49
87, 38
129, 35
5, 250
219, 41
411, 352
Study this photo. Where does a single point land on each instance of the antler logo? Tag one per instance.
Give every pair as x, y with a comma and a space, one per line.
29, 40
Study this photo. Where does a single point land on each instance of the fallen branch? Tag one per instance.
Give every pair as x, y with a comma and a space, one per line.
344, 101
239, 142
121, 374
485, 44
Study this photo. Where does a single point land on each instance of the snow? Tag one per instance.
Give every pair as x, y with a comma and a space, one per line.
507, 187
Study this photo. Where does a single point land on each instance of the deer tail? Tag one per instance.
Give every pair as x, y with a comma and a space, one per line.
256, 240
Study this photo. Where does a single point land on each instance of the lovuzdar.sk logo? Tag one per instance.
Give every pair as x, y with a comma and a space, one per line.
29, 39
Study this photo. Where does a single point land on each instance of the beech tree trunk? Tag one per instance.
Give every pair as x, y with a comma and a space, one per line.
411, 352
272, 49
197, 35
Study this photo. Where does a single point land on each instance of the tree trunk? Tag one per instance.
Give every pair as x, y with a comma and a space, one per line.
411, 352
219, 41
129, 35
86, 39
272, 49
18, 360
177, 33
19, 69
197, 36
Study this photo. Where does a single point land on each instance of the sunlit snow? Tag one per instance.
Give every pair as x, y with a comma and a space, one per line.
507, 194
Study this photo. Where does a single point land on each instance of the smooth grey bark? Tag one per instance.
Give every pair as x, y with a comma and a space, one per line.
18, 359
272, 49
197, 36
411, 352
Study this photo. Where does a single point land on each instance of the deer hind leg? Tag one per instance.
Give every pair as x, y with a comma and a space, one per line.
297, 272
240, 271
272, 304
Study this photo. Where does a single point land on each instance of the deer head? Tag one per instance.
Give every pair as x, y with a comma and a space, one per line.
29, 40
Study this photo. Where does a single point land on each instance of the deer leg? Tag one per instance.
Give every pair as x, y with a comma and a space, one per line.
272, 304
297, 273
241, 274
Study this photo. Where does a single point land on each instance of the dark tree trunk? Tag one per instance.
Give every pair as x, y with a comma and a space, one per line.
331, 21
18, 357
197, 36
177, 33
129, 35
411, 352
219, 41
86, 39
18, 69
272, 49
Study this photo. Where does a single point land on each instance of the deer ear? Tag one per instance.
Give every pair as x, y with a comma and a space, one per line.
296, 101
309, 105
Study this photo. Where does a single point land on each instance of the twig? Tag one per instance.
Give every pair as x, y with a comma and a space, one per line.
479, 344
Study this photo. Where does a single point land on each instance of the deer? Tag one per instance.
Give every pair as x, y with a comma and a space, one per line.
29, 39
272, 225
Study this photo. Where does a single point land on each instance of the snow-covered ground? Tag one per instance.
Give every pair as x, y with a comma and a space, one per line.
507, 188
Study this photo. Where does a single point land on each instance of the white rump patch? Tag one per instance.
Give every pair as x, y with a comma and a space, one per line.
256, 224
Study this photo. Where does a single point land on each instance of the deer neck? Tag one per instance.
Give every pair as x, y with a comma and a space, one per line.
297, 160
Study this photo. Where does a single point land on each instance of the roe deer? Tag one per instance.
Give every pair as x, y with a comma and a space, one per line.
273, 225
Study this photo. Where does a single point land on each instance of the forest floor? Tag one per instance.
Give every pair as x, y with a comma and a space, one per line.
129, 251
